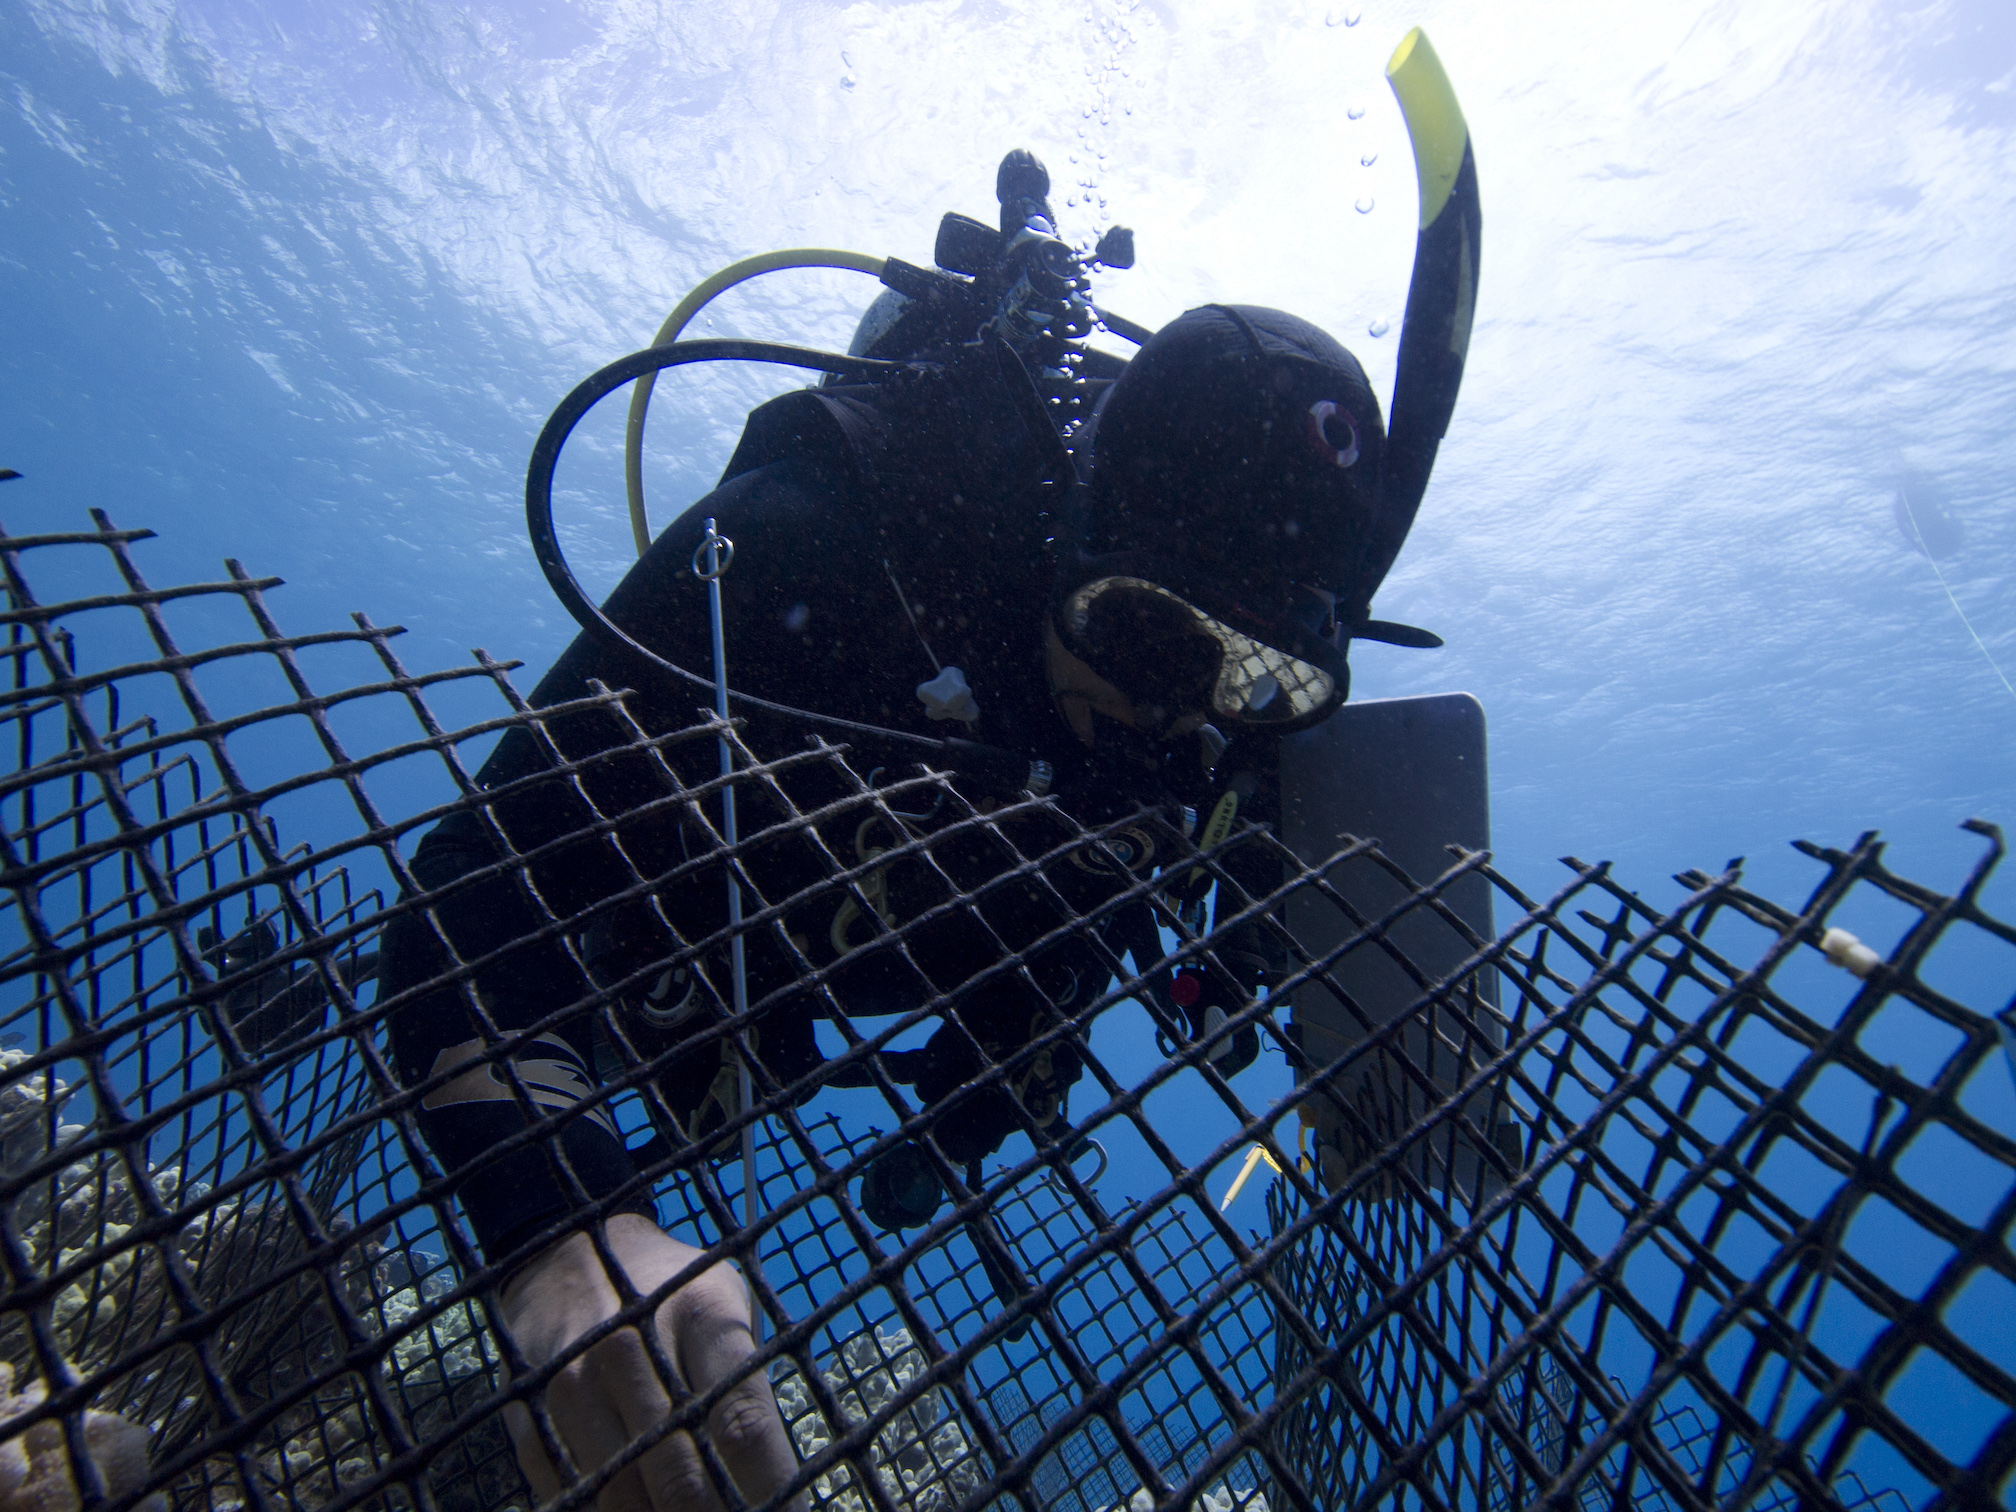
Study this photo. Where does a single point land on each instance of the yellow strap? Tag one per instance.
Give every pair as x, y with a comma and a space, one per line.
1435, 122
1216, 828
691, 305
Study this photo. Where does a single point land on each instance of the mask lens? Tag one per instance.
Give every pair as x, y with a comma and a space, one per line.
1171, 656
1262, 685
1149, 644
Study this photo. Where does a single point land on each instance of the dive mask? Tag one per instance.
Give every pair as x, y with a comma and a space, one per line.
1172, 659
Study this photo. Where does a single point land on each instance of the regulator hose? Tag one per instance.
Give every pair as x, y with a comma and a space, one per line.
684, 311
1013, 768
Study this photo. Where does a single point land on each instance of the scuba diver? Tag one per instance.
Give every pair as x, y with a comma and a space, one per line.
1117, 584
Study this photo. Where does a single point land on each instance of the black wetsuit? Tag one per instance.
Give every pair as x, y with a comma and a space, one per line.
834, 499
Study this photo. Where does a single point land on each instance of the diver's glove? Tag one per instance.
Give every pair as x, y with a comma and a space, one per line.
1208, 1000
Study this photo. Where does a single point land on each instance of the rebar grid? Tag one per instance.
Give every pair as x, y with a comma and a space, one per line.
1637, 1206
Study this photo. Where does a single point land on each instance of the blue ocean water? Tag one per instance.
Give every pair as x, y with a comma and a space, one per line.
300, 288
298, 284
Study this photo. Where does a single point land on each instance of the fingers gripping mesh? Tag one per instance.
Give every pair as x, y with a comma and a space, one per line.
1639, 1206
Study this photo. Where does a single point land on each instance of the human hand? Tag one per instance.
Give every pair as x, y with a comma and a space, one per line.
606, 1396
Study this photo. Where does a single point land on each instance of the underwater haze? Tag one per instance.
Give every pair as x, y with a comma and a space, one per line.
1720, 535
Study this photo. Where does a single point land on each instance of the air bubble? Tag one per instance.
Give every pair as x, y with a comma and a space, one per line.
1355, 113
1378, 328
1364, 206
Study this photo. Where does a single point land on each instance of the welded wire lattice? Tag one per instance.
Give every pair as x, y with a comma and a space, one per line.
1690, 1217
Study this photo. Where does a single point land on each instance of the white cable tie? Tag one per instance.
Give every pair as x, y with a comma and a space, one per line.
1849, 953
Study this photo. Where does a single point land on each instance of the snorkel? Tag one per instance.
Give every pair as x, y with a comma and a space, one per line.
1441, 303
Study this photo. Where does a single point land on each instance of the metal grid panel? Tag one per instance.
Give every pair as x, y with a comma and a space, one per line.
1697, 1220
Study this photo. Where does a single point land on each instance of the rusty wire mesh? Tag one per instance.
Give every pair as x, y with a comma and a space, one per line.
1671, 1211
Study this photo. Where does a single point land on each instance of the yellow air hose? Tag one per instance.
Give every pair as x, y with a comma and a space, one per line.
691, 305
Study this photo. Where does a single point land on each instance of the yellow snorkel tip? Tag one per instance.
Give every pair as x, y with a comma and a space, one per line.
1441, 301
1435, 121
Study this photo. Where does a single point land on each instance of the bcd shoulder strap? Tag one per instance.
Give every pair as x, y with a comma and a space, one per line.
846, 428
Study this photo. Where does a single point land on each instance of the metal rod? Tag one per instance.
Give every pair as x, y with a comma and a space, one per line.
717, 565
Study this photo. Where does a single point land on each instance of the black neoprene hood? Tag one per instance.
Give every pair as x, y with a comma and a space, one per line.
1244, 443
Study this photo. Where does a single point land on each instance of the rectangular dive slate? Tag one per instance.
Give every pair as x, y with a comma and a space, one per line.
1412, 774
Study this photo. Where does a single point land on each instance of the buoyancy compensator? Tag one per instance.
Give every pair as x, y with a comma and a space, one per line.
1017, 298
